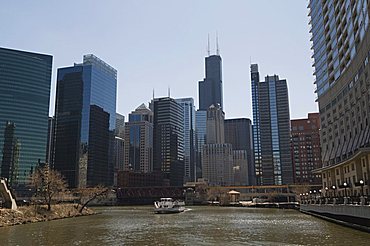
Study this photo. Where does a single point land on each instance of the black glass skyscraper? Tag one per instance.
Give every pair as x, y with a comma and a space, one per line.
168, 139
238, 132
85, 114
271, 130
25, 80
210, 89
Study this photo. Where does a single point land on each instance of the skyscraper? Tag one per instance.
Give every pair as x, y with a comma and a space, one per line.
255, 79
272, 140
238, 132
139, 140
306, 150
120, 125
188, 111
85, 115
168, 139
340, 44
25, 80
50, 142
210, 89
217, 156
200, 135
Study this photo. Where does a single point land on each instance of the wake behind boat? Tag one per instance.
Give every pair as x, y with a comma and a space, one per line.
168, 206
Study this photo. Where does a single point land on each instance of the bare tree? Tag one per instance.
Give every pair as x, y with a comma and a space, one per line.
87, 195
49, 185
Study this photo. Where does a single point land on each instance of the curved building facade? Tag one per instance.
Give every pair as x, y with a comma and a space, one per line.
341, 46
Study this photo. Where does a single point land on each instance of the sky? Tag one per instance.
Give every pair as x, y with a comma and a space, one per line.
161, 44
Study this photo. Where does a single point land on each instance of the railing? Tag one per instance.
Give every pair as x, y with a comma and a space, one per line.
350, 200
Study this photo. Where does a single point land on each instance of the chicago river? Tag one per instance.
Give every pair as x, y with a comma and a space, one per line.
196, 226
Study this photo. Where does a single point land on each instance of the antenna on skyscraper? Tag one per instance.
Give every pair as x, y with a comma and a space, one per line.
169, 91
153, 93
217, 48
208, 49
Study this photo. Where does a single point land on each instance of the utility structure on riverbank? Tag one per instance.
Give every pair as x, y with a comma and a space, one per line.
9, 201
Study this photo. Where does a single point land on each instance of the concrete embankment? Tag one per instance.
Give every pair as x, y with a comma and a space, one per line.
31, 214
357, 217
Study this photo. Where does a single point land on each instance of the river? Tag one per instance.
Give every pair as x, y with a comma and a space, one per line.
196, 226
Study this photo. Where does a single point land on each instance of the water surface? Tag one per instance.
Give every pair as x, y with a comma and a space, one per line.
196, 226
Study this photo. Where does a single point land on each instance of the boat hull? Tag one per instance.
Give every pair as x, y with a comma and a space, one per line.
169, 210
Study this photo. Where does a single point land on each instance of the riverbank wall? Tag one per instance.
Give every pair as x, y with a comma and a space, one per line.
355, 216
32, 214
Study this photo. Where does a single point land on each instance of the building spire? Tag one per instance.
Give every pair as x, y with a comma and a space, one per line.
208, 49
217, 48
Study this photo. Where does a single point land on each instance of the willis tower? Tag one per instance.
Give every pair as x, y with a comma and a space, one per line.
210, 89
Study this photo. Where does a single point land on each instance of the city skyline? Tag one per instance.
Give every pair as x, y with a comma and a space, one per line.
166, 56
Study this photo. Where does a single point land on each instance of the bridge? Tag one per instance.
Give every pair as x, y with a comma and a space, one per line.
9, 201
146, 195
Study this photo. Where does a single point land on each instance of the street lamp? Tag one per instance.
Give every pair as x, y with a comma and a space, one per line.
362, 187
334, 188
345, 188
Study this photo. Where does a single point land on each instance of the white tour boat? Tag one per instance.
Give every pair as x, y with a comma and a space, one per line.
168, 205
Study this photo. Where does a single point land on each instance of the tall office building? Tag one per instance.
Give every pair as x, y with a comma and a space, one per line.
200, 135
306, 150
25, 80
85, 119
168, 139
340, 44
188, 111
50, 142
217, 156
210, 88
120, 125
272, 130
238, 132
139, 140
255, 79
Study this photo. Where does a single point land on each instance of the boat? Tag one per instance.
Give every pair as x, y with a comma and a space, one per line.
168, 206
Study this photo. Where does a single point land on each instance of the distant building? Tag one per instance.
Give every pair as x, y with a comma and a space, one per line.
85, 115
120, 125
25, 80
241, 167
210, 89
217, 156
200, 135
50, 142
140, 179
168, 139
139, 140
306, 151
238, 132
271, 130
119, 157
188, 111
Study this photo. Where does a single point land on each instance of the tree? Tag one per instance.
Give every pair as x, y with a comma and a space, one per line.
87, 195
49, 185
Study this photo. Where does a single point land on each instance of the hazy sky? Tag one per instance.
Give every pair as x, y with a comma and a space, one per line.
162, 43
